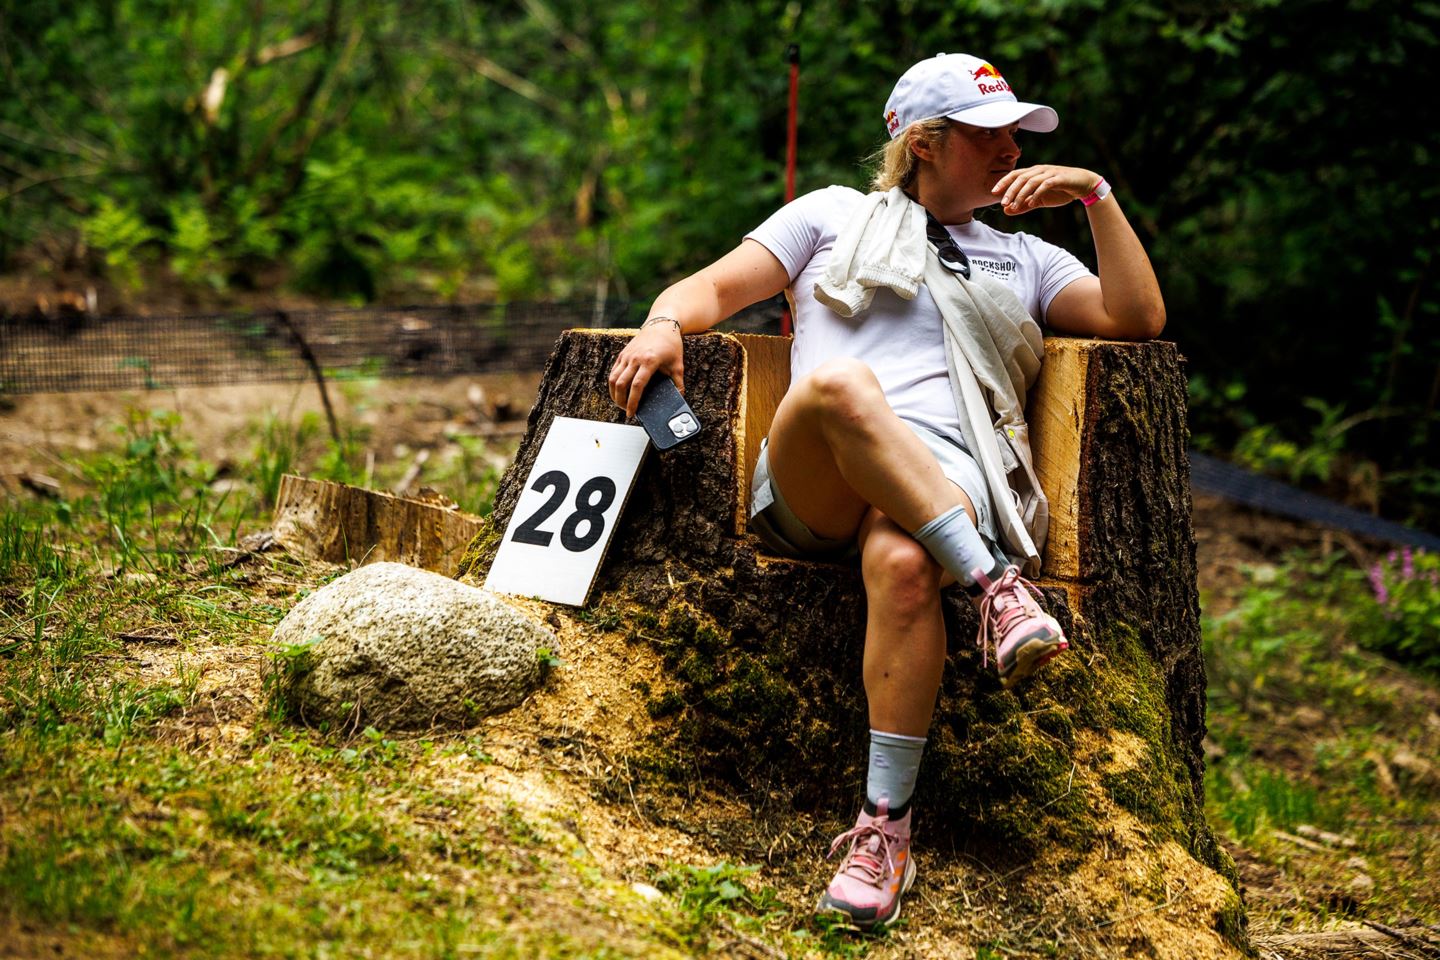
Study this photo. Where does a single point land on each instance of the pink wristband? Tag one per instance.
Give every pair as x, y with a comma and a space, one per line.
1101, 191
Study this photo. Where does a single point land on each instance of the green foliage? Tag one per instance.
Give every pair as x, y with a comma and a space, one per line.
704, 891
1304, 724
288, 665
154, 497
193, 247
279, 446
1404, 623
1285, 635
708, 896
1262, 447
118, 233
1268, 800
560, 149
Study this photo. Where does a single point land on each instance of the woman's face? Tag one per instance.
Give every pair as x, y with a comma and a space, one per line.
970, 160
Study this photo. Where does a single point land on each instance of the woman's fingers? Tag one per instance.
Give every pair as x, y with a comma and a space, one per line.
619, 380
637, 364
637, 390
1045, 185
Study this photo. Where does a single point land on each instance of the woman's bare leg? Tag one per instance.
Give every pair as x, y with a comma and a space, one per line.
837, 449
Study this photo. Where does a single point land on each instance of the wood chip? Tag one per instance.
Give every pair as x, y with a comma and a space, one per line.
1326, 837
40, 484
1301, 842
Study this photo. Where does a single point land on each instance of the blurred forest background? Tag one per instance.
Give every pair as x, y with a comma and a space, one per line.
1277, 158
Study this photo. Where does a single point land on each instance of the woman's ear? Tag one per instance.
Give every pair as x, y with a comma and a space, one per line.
922, 147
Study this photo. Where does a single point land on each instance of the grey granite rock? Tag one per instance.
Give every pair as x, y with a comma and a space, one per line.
405, 649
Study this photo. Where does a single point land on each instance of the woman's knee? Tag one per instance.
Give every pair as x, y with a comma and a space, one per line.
899, 571
846, 386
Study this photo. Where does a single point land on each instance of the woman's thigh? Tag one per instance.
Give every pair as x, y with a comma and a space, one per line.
803, 467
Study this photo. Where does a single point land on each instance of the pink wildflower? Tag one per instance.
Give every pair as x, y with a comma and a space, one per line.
1377, 584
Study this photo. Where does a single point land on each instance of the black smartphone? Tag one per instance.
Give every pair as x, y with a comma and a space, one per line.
665, 415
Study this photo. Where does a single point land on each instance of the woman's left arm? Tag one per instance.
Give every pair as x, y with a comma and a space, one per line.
1124, 303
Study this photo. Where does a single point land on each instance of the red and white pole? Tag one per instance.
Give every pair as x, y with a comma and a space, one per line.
792, 53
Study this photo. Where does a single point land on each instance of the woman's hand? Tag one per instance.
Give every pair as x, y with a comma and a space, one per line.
658, 346
1046, 185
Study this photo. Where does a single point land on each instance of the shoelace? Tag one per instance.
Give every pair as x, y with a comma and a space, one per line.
863, 856
1005, 601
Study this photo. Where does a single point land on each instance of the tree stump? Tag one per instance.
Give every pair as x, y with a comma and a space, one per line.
339, 523
1083, 787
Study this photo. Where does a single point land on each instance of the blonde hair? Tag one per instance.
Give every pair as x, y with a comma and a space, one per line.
895, 162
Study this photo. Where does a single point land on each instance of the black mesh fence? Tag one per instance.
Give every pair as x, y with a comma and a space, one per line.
49, 355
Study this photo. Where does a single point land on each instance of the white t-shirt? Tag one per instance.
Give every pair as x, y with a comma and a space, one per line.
902, 341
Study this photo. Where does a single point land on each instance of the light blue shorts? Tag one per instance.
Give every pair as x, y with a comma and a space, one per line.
772, 520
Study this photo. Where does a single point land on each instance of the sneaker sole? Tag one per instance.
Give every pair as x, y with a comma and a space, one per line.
1032, 655
879, 923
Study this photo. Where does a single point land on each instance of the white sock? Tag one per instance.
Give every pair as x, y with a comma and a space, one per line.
894, 764
957, 546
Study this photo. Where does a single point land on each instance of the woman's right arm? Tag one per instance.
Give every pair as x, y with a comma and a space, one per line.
747, 274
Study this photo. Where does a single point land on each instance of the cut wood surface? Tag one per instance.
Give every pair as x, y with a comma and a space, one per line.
344, 524
1055, 413
767, 377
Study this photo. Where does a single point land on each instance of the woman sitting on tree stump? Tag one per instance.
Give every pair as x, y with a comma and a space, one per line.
902, 437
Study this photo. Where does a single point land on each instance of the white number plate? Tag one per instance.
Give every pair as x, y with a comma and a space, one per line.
566, 514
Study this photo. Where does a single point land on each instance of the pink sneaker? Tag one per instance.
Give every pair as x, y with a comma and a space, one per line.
876, 871
1025, 636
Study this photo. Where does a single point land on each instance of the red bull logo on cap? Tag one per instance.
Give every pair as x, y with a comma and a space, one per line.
892, 120
988, 80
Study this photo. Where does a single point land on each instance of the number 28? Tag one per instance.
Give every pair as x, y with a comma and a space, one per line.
591, 501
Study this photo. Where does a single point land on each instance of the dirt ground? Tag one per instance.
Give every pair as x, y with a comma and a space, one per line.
398, 417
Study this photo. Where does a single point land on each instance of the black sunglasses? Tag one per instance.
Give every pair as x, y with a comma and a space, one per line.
952, 258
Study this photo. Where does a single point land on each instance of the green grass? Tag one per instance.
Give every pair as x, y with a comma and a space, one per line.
1305, 721
155, 798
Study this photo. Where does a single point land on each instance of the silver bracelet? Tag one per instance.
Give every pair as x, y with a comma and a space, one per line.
663, 320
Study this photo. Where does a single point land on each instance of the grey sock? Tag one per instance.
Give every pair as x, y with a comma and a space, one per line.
957, 546
894, 762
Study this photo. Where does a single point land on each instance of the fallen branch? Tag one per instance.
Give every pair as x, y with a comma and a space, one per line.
1429, 948
308, 356
1310, 845
412, 473
1326, 837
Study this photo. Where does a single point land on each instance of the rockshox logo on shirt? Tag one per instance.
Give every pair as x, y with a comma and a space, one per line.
996, 268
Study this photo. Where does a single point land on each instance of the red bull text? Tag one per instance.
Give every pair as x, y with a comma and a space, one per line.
987, 72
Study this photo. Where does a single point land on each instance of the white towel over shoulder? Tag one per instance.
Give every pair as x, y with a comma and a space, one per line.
882, 245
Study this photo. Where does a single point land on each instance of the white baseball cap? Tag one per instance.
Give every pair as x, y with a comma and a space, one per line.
965, 88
